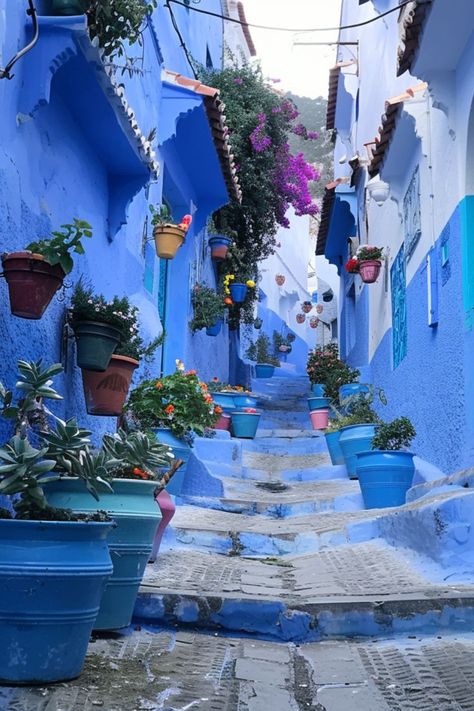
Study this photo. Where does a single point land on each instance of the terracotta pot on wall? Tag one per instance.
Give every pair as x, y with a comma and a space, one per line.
105, 393
300, 318
32, 283
168, 239
306, 307
280, 279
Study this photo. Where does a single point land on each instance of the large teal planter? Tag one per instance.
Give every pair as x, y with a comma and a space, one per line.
95, 344
318, 403
334, 448
181, 451
263, 370
245, 424
137, 515
52, 576
224, 400
245, 400
354, 439
238, 292
384, 477
317, 389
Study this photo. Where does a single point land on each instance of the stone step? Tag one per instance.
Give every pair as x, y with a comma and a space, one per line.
349, 591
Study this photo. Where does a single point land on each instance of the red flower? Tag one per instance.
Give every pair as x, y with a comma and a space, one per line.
251, 410
215, 379
352, 266
141, 473
169, 409
218, 410
191, 372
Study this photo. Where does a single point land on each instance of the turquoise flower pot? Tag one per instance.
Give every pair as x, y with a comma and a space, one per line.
384, 477
137, 515
263, 370
224, 400
245, 400
238, 292
354, 439
334, 448
318, 403
245, 424
181, 451
52, 576
317, 389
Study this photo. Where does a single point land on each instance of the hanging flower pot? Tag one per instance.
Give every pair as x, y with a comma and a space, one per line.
238, 292
319, 309
168, 239
306, 307
300, 318
32, 283
280, 279
284, 348
69, 7
219, 245
370, 270
258, 323
105, 392
215, 329
291, 338
95, 344
314, 322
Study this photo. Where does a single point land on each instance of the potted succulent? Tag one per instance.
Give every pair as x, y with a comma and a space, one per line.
135, 464
34, 275
208, 310
237, 288
386, 472
105, 392
98, 326
168, 236
54, 563
306, 307
260, 353
175, 407
245, 422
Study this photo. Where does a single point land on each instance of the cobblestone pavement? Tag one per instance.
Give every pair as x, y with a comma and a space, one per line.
167, 671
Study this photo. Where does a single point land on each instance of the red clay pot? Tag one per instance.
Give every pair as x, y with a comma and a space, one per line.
32, 283
370, 270
105, 393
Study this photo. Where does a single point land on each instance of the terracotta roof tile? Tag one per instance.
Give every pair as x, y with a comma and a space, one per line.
217, 122
326, 208
412, 20
334, 73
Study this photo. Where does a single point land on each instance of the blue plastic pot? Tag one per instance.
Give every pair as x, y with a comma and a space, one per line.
245, 400
137, 515
334, 448
52, 576
354, 439
318, 403
384, 477
263, 370
219, 245
181, 451
238, 292
317, 389
224, 400
214, 330
245, 424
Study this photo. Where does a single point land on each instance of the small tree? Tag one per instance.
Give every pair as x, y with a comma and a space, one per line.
260, 351
394, 435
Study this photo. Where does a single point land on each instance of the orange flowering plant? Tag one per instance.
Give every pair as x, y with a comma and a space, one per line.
179, 401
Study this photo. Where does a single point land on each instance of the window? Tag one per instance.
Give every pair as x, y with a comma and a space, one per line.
399, 308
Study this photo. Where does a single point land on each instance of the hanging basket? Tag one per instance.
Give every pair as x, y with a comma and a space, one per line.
370, 270
95, 344
300, 318
314, 322
168, 239
105, 393
219, 247
291, 338
319, 309
280, 279
32, 283
306, 307
238, 292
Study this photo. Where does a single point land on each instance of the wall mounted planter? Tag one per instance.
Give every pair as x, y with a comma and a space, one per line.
238, 292
32, 283
168, 239
69, 7
264, 370
306, 307
369, 270
214, 330
258, 323
223, 423
105, 392
245, 424
334, 448
384, 477
317, 389
95, 344
300, 318
181, 450
354, 439
280, 279
52, 576
134, 510
219, 247
318, 403
319, 419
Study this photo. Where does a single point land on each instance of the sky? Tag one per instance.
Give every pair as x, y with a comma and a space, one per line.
302, 70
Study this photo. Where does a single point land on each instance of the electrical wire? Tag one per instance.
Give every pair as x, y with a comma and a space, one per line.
182, 43
288, 29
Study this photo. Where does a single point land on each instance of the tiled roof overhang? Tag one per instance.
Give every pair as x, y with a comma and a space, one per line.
217, 122
412, 19
334, 73
326, 208
246, 30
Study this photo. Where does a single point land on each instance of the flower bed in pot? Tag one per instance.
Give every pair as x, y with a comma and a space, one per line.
168, 236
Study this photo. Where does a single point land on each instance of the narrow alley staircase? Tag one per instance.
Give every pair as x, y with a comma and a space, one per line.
284, 592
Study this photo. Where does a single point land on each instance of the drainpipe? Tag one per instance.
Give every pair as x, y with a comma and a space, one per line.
6, 72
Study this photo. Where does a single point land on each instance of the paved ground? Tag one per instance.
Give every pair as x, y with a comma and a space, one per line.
170, 671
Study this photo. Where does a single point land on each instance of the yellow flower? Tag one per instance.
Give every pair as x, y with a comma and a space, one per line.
250, 283
179, 365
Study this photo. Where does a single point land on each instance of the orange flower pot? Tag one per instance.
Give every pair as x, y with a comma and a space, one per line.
105, 393
168, 239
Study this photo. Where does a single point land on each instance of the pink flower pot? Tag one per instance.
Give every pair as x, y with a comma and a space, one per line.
319, 419
370, 270
223, 423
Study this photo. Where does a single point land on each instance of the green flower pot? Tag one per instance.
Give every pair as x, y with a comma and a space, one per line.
69, 7
96, 343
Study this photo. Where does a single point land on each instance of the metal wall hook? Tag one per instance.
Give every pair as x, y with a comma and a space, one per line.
5, 73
